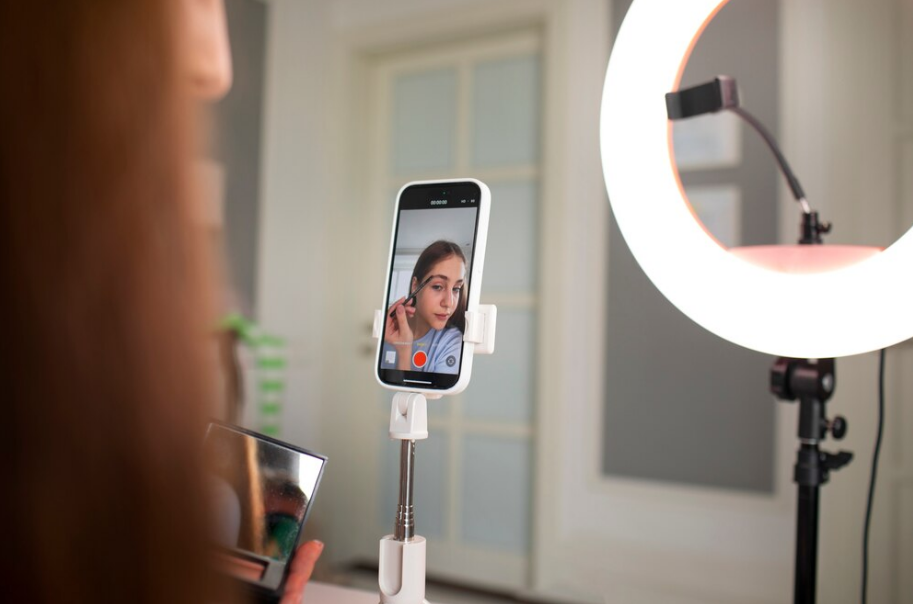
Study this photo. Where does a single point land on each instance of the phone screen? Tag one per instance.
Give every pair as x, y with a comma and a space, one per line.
428, 285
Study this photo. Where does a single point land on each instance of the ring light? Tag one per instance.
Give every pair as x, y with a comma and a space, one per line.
761, 298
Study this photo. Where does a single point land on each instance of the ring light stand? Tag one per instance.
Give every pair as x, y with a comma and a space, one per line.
738, 294
812, 383
401, 568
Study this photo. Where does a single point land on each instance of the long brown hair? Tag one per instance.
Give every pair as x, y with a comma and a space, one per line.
107, 300
430, 256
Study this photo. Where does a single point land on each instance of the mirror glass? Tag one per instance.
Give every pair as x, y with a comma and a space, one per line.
260, 489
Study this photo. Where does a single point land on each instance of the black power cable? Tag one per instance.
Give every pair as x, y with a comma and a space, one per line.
868, 507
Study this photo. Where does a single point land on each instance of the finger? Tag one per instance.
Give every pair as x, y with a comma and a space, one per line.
395, 324
395, 304
401, 317
300, 573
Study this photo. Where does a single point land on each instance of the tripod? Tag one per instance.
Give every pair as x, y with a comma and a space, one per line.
812, 383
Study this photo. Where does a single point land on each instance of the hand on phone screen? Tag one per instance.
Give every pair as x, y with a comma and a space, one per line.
398, 333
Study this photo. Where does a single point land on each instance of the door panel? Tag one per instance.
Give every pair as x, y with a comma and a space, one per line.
466, 109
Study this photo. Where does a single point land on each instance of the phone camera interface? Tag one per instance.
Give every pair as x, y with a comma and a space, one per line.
428, 286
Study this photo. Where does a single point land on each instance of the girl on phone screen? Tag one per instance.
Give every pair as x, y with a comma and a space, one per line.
427, 334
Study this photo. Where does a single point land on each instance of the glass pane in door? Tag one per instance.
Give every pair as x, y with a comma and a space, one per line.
495, 501
505, 109
424, 120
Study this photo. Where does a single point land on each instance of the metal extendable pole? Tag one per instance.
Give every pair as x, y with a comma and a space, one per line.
405, 513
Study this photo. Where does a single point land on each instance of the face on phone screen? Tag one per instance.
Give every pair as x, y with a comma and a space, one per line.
428, 285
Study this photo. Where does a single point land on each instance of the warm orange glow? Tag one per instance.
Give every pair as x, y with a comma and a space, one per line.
804, 259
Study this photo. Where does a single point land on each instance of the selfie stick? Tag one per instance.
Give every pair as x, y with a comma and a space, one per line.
401, 569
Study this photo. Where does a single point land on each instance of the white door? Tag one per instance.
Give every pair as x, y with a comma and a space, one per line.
467, 108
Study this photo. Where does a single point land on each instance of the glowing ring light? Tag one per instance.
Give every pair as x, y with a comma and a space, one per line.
854, 308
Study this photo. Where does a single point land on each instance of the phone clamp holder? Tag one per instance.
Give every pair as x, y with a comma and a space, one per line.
401, 567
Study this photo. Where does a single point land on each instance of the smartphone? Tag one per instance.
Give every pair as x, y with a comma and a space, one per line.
261, 491
434, 277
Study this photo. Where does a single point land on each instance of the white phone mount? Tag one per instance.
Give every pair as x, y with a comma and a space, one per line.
401, 569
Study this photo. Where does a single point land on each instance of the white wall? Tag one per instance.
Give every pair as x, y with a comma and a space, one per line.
293, 296
356, 14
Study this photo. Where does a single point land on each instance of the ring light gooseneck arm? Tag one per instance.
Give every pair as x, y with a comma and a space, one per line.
723, 94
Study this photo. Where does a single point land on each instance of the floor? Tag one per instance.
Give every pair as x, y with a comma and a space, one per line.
366, 579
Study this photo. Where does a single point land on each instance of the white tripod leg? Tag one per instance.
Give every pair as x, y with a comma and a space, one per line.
401, 573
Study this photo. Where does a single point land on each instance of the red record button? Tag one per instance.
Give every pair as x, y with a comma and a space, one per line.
419, 359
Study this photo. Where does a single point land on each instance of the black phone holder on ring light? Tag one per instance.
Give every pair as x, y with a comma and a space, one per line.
401, 568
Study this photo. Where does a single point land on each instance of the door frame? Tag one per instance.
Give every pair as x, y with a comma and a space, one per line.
605, 538
563, 125
453, 558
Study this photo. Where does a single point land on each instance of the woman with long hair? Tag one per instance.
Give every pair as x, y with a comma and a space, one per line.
427, 335
108, 299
